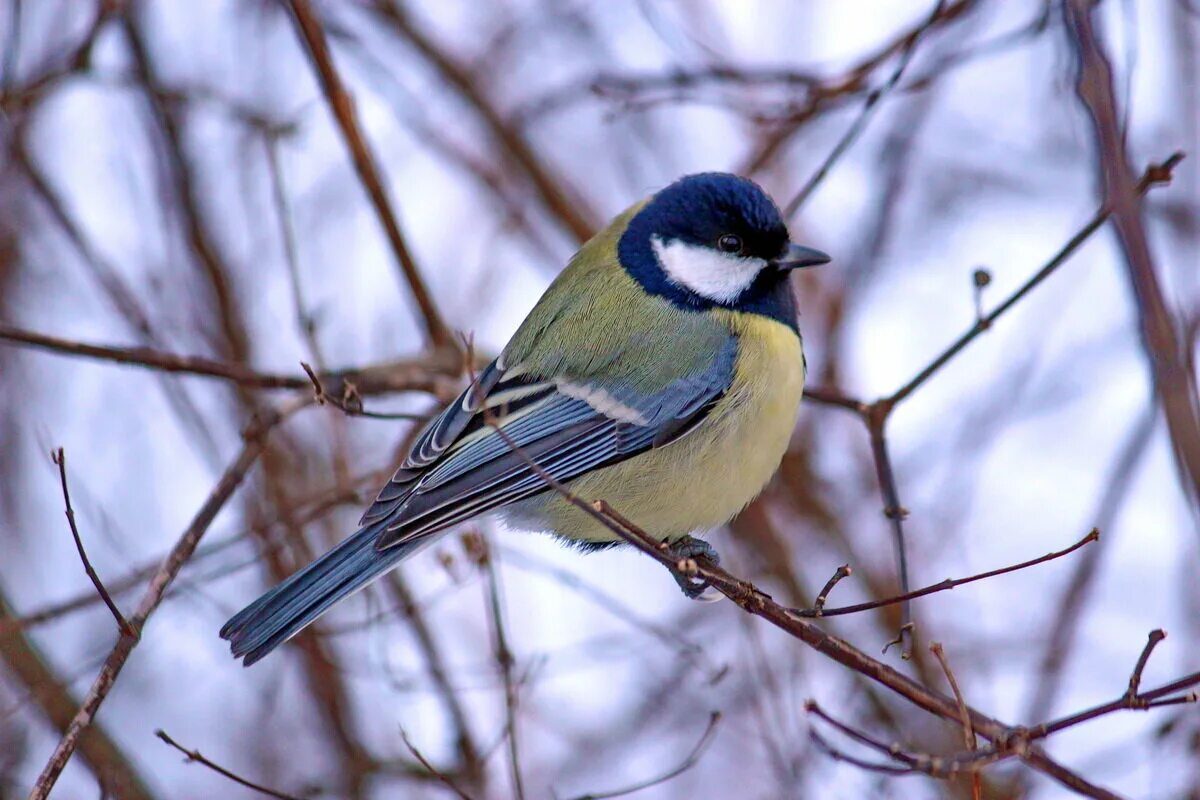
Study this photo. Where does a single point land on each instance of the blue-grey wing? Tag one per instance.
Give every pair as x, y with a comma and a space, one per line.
461, 467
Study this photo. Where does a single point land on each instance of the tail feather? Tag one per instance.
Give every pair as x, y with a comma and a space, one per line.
288, 608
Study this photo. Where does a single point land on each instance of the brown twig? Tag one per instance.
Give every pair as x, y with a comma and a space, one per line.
341, 104
688, 762
26, 664
1168, 355
351, 403
949, 583
194, 755
968, 732
864, 115
441, 776
875, 415
754, 601
1135, 678
557, 197
876, 418
1155, 175
255, 438
504, 658
841, 572
59, 457
851, 82
431, 373
1018, 742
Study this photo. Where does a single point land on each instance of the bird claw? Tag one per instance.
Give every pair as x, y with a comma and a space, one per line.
684, 550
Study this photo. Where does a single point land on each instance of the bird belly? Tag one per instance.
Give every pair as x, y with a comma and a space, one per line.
705, 477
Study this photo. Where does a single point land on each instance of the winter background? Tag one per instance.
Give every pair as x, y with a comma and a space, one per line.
139, 206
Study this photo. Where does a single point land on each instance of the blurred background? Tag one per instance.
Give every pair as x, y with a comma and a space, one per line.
172, 177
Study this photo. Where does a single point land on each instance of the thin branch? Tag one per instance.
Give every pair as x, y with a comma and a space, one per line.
1168, 355
59, 457
851, 82
1155, 175
26, 664
950, 583
153, 359
876, 419
754, 601
557, 197
441, 776
841, 572
341, 104
861, 763
433, 373
693, 756
864, 115
255, 439
1135, 678
504, 657
892, 751
194, 755
350, 403
968, 731
305, 323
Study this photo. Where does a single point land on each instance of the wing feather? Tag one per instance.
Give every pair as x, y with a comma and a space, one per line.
567, 425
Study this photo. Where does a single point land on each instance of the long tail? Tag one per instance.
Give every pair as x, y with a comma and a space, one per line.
285, 610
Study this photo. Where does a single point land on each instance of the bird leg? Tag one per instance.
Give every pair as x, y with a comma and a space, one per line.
686, 549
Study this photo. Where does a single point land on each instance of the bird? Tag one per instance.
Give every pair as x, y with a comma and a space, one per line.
661, 371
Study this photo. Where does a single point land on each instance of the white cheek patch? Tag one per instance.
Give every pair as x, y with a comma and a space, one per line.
707, 272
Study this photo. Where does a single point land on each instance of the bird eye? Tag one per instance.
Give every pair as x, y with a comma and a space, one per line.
730, 243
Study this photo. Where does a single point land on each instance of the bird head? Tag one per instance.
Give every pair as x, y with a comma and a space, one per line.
712, 239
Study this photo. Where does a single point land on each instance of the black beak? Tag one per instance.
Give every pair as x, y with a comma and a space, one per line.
796, 257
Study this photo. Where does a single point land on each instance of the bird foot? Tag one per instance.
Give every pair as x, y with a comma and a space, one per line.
684, 550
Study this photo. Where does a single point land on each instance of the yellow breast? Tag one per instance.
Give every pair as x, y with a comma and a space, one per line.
701, 480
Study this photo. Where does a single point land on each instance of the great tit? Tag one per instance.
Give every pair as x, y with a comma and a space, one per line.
661, 371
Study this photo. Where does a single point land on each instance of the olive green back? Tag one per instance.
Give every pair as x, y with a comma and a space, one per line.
595, 323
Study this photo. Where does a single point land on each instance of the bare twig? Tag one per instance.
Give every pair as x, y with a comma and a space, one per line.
850, 83
59, 457
968, 732
194, 755
26, 664
861, 763
433, 373
876, 419
1155, 175
342, 106
557, 197
754, 601
950, 583
841, 572
305, 323
688, 762
1135, 678
864, 115
875, 415
504, 658
441, 776
255, 438
351, 403
1168, 355
153, 359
